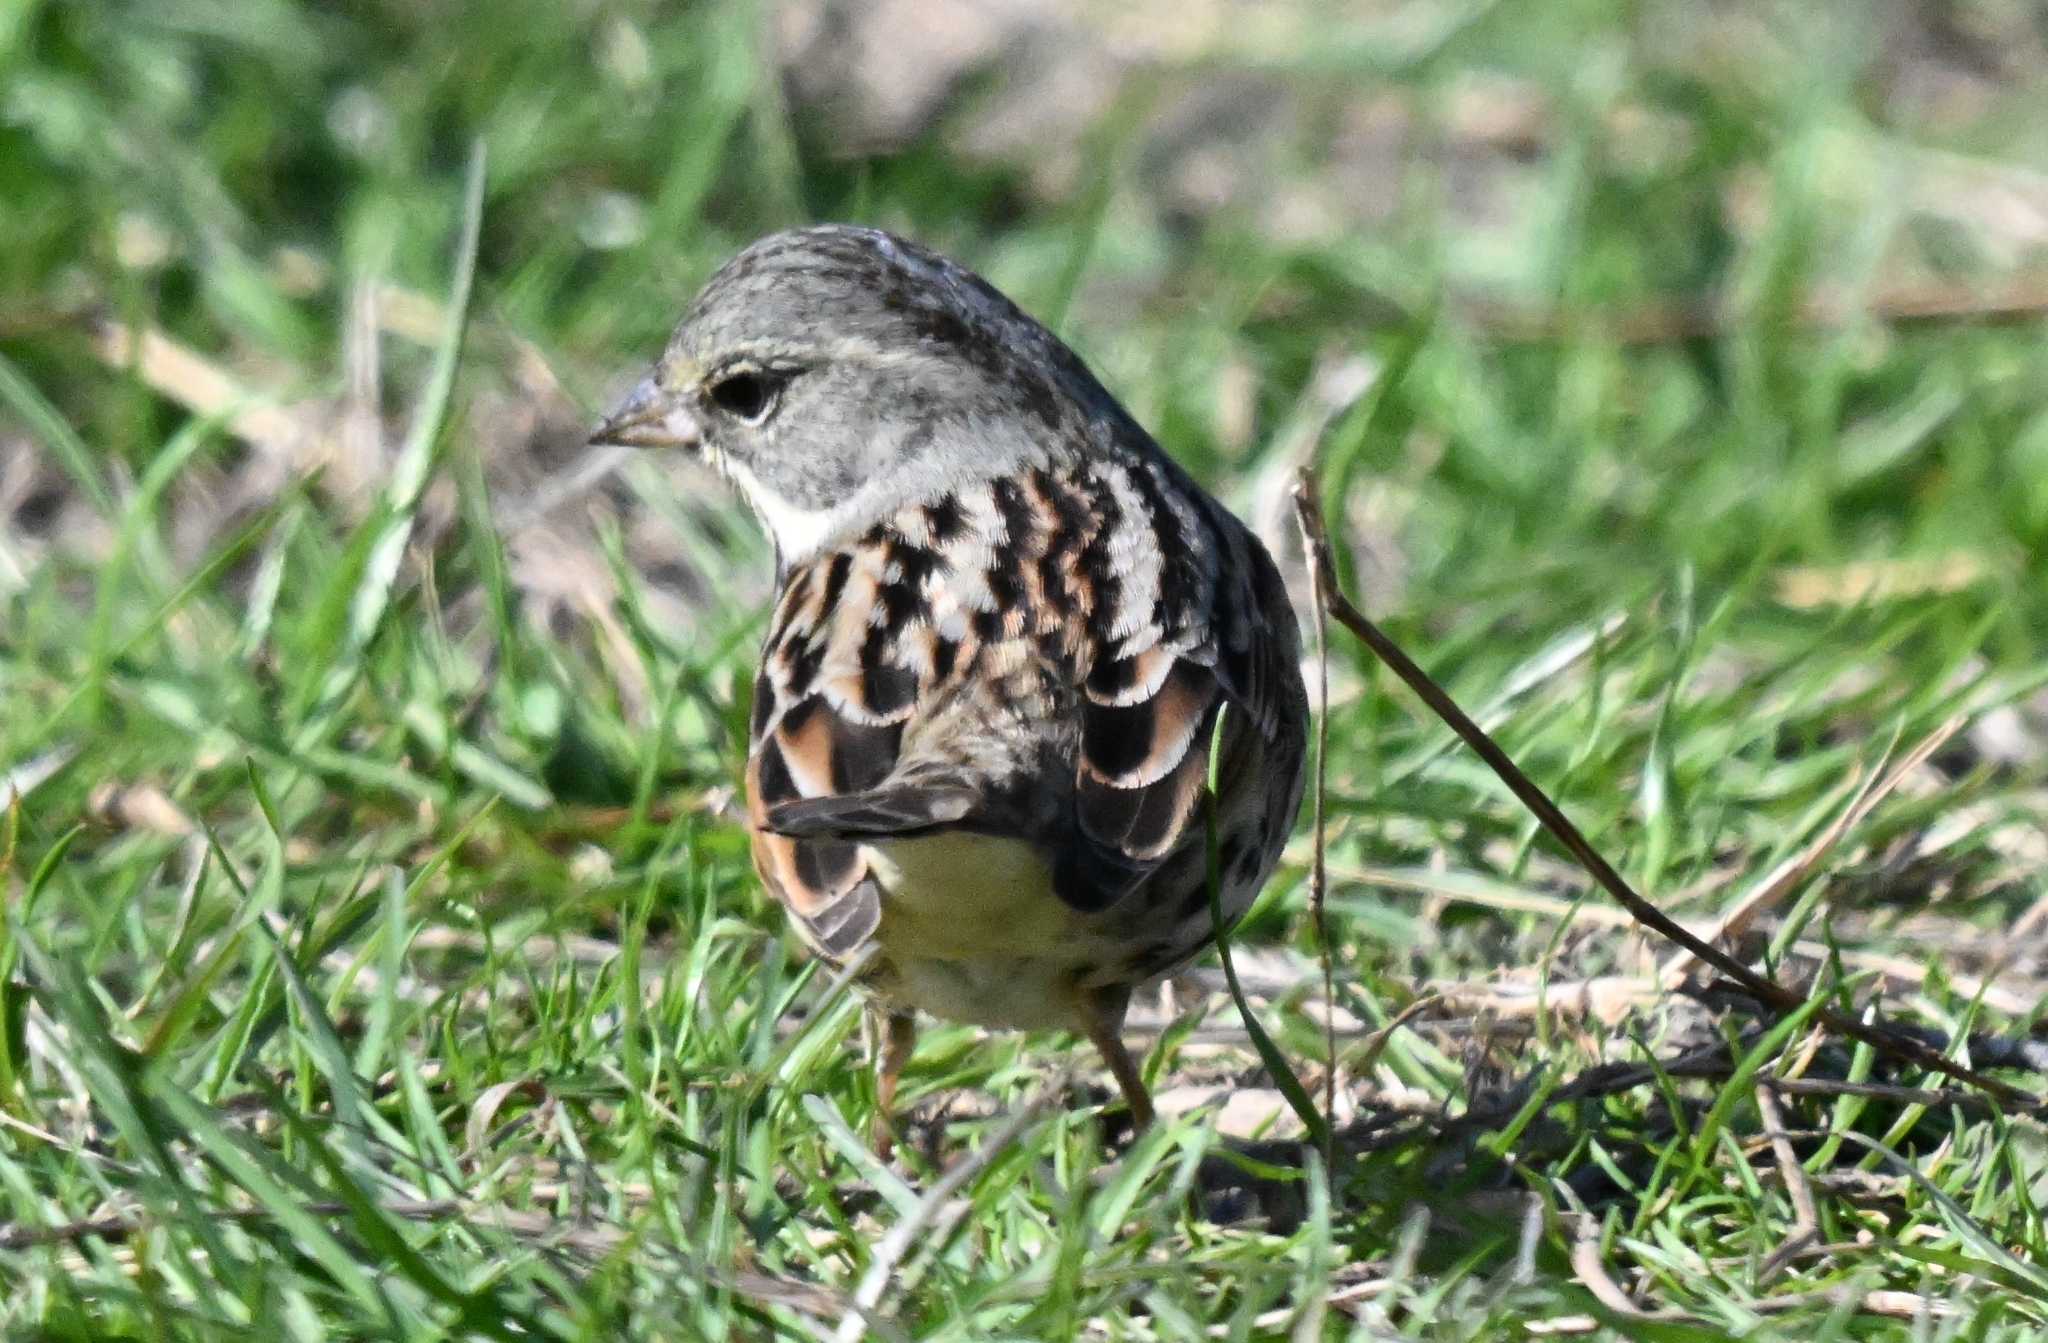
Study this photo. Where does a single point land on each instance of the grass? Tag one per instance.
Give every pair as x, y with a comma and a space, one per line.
381, 958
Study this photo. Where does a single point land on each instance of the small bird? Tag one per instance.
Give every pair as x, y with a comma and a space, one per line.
1008, 628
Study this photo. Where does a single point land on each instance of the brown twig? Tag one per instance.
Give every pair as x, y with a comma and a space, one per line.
1934, 1098
1882, 1302
1376, 1043
1805, 1212
1318, 872
1761, 987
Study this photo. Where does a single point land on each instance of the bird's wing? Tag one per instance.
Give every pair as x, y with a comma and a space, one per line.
1220, 640
836, 695
1102, 616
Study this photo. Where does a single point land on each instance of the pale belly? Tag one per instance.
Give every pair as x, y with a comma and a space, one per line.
971, 931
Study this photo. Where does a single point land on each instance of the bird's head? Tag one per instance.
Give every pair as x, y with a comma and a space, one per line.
834, 374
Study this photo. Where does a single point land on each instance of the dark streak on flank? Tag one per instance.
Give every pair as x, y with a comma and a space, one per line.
1071, 516
917, 563
1006, 587
945, 653
886, 689
826, 865
772, 781
799, 714
1097, 566
794, 596
801, 659
837, 570
1020, 520
898, 602
764, 704
1052, 579
945, 519
1179, 580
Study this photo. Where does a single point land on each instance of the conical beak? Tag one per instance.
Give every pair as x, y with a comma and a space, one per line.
649, 417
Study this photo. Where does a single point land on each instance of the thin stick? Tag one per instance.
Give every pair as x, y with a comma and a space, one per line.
1761, 987
1318, 871
1805, 1212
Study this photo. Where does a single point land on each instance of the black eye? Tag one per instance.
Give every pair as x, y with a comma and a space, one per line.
746, 394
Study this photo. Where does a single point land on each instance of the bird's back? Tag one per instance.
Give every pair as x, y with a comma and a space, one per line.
982, 729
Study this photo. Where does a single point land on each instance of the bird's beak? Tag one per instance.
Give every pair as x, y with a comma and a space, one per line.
649, 417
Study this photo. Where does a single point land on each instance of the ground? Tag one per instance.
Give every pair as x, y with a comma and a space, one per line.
381, 956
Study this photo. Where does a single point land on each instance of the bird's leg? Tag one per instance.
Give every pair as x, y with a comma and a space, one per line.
1105, 1030
894, 1036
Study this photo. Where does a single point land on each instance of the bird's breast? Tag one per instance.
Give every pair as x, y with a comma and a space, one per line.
972, 931
956, 894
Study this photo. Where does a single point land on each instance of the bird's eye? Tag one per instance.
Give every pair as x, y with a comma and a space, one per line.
746, 394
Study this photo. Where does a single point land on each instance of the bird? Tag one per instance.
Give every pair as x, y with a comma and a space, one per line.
1011, 641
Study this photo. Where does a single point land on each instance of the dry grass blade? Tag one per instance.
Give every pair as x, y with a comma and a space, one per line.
21, 780
936, 1207
2022, 300
183, 375
1591, 1271
1809, 587
1805, 1213
1789, 875
1560, 826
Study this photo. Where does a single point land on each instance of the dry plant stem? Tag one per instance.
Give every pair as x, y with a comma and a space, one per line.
195, 382
1764, 989
1378, 1129
1886, 1304
1591, 1271
1369, 1057
1805, 1212
1318, 872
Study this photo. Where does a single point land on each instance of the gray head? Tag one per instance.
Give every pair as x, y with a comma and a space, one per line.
835, 374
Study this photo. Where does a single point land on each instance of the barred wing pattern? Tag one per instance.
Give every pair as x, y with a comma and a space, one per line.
1081, 622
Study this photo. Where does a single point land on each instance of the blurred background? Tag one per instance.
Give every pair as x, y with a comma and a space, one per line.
1732, 215
1673, 371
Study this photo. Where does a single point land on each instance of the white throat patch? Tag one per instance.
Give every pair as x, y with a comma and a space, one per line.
799, 533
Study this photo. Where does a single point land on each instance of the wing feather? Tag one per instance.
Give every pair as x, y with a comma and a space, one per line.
1149, 709
832, 704
904, 691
